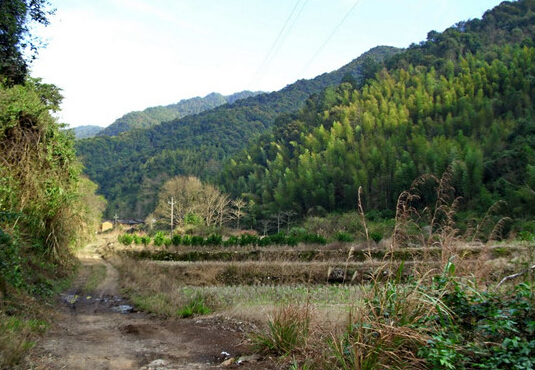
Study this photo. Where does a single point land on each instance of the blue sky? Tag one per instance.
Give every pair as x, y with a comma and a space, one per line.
114, 56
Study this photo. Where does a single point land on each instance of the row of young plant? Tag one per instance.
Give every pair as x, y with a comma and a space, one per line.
160, 239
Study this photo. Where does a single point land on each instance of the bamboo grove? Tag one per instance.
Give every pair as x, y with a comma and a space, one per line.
477, 116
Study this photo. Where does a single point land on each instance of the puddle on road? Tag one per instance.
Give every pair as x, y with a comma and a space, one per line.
124, 308
111, 302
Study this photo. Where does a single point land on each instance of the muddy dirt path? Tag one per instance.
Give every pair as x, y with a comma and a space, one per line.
101, 331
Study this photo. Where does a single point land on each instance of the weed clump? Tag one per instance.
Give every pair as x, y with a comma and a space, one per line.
287, 331
196, 306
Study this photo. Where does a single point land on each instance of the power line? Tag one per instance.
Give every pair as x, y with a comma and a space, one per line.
290, 28
271, 52
328, 38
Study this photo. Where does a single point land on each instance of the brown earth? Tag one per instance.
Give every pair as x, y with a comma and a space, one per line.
101, 331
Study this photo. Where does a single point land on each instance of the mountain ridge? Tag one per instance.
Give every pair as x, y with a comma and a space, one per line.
155, 115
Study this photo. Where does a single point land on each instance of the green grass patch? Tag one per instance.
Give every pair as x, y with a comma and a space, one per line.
158, 303
195, 307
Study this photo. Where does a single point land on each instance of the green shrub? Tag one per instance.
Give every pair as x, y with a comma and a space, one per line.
159, 238
176, 240
292, 241
231, 241
214, 240
145, 240
279, 239
490, 330
197, 240
192, 219
247, 239
342, 236
137, 239
186, 240
126, 239
526, 236
265, 241
312, 239
376, 236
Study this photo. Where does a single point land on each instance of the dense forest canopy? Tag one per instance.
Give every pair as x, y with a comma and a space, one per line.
155, 115
131, 167
405, 123
464, 98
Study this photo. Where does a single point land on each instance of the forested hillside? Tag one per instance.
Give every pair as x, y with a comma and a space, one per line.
131, 168
83, 132
155, 115
463, 100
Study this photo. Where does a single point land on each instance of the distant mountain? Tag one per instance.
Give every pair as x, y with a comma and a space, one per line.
130, 168
84, 132
156, 115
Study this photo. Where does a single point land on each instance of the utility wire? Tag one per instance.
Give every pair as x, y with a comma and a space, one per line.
271, 53
290, 28
328, 38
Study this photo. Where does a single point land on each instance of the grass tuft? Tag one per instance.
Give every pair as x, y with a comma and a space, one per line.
286, 332
194, 307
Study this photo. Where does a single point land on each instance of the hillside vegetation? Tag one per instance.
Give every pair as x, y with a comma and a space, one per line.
463, 100
155, 115
130, 167
83, 132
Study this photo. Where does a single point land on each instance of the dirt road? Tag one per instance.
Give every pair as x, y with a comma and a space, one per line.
100, 330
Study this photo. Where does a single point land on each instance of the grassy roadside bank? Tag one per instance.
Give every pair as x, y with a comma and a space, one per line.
23, 318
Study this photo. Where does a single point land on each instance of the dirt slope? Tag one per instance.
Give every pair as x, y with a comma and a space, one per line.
100, 331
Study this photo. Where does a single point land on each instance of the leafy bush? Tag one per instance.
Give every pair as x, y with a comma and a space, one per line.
247, 239
264, 241
192, 219
312, 239
197, 240
494, 331
159, 238
186, 240
176, 240
145, 240
231, 241
526, 236
279, 239
125, 239
11, 262
214, 239
292, 241
376, 236
137, 239
344, 237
